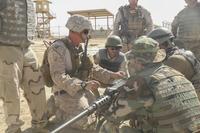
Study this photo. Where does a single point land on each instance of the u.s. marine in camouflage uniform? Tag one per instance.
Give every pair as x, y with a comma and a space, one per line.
182, 60
159, 97
18, 65
185, 27
131, 22
72, 94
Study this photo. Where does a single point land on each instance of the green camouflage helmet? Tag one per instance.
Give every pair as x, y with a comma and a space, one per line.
146, 50
161, 35
113, 41
78, 23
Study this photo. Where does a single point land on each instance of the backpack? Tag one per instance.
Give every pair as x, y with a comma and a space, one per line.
45, 66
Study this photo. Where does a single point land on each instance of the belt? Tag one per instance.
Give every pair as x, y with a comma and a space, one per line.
60, 92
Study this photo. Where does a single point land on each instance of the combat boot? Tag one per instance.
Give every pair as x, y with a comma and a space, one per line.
12, 130
39, 126
19, 130
15, 128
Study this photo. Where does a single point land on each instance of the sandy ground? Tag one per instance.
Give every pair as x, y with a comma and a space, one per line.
94, 45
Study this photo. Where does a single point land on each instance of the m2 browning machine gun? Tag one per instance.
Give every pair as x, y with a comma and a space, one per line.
100, 106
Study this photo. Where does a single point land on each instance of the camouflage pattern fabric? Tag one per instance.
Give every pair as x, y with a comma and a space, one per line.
194, 46
70, 98
158, 117
161, 97
17, 22
180, 59
182, 114
68, 107
185, 27
185, 62
139, 24
187, 21
146, 50
20, 69
78, 23
18, 65
60, 62
128, 67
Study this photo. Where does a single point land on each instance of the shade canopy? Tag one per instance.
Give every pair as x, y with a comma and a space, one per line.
92, 13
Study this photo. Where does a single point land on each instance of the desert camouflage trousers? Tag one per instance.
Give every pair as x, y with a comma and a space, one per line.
68, 107
19, 69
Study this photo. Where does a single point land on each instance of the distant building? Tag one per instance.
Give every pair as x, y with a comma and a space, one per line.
166, 24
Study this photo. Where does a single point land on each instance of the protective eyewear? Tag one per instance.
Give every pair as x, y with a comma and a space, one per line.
115, 48
86, 32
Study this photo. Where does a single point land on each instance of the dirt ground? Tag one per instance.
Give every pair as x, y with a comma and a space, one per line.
94, 45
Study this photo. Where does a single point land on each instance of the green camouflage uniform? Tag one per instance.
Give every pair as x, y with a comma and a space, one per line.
182, 60
162, 100
18, 65
185, 27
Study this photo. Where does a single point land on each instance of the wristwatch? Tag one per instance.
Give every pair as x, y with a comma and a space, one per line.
83, 85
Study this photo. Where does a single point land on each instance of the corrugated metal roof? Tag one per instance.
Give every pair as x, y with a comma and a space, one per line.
92, 13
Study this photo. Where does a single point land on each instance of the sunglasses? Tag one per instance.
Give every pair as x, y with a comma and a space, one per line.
115, 48
86, 32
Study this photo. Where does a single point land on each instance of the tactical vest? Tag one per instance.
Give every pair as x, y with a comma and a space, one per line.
45, 67
136, 22
75, 57
176, 107
189, 24
195, 65
105, 62
17, 22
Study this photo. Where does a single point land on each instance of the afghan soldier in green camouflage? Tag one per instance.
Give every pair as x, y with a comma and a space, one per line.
186, 29
160, 98
131, 22
72, 93
18, 65
182, 60
110, 57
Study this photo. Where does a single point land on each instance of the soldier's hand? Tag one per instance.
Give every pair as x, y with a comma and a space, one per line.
118, 75
93, 86
122, 108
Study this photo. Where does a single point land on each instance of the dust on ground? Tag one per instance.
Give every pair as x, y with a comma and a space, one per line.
39, 48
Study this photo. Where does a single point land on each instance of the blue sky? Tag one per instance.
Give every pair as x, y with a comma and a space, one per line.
161, 10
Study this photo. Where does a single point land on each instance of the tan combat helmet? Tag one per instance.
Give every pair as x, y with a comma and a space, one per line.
146, 50
113, 41
78, 23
